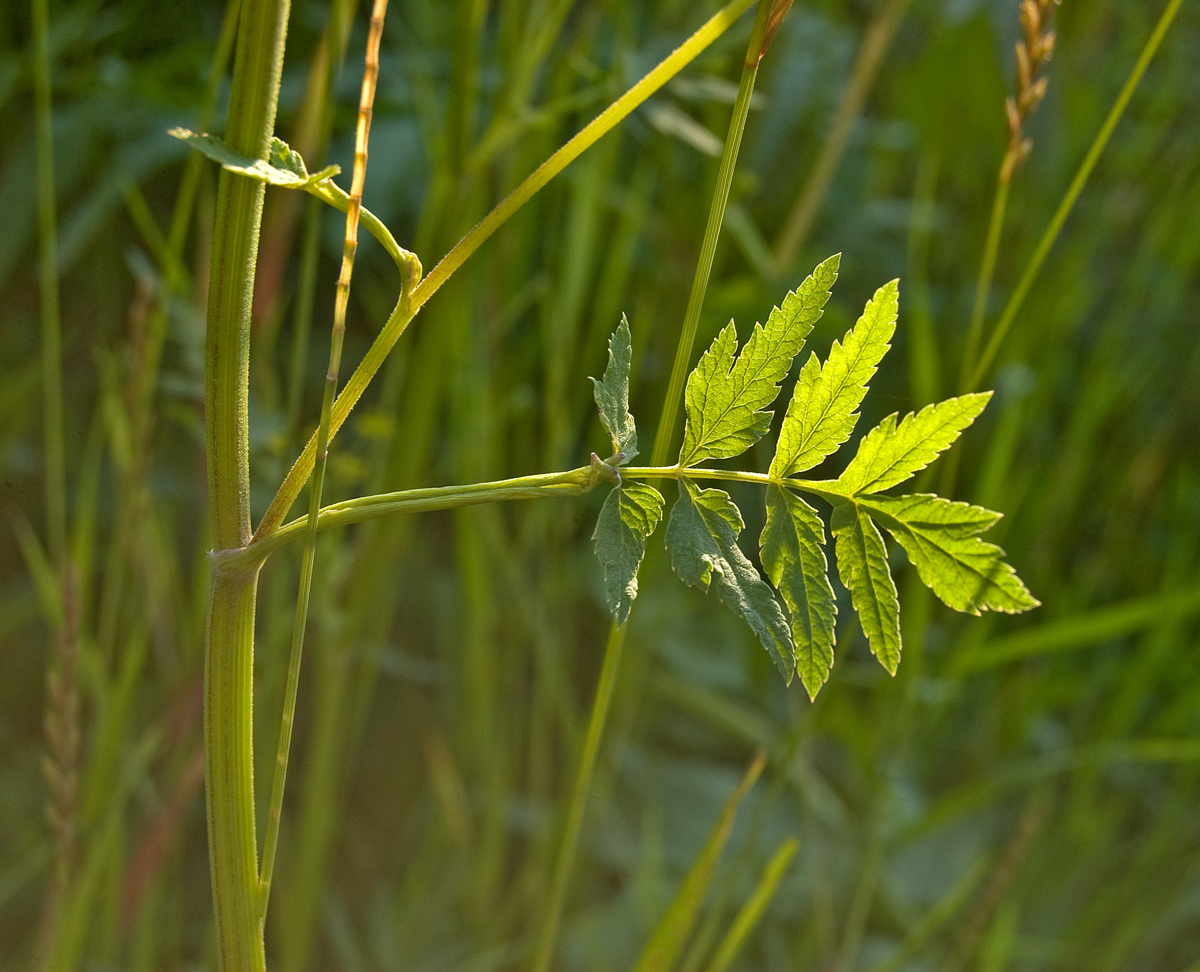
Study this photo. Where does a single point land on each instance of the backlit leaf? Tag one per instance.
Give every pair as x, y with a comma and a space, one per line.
941, 540
890, 453
702, 537
863, 567
793, 558
725, 397
628, 517
822, 412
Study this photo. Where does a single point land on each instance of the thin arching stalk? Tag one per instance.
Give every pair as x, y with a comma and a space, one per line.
341, 302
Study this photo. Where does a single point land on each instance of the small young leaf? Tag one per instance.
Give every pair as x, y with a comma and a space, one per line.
821, 414
791, 545
889, 454
612, 393
285, 167
941, 540
724, 398
628, 517
863, 567
702, 537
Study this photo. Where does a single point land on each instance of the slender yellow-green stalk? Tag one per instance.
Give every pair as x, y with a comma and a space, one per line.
229, 652
341, 302
708, 248
405, 310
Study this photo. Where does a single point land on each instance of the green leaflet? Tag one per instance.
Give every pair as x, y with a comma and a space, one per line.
821, 414
791, 545
629, 515
612, 394
724, 397
702, 537
940, 538
283, 168
863, 567
889, 454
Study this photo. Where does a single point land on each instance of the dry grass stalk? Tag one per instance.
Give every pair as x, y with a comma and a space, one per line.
1034, 50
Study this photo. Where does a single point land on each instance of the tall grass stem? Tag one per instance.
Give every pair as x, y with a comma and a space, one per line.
1015, 302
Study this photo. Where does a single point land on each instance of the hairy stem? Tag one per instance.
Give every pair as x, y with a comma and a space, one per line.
229, 652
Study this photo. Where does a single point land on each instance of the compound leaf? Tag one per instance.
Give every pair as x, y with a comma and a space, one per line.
822, 412
941, 540
890, 453
792, 555
863, 567
612, 394
725, 398
284, 167
629, 515
702, 537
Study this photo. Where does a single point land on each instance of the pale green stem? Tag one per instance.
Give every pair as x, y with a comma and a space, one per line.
983, 286
575, 482
708, 248
229, 652
404, 312
337, 338
564, 864
1068, 201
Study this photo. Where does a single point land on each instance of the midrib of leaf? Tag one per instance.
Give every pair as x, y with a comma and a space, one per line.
851, 370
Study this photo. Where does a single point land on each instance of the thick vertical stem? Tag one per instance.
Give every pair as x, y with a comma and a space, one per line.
229, 654
229, 770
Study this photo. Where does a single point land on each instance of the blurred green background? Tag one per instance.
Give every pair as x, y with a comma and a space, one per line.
1022, 796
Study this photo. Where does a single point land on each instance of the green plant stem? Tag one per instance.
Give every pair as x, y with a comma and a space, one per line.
1097, 147
229, 652
708, 248
564, 863
574, 482
404, 312
983, 286
565, 860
